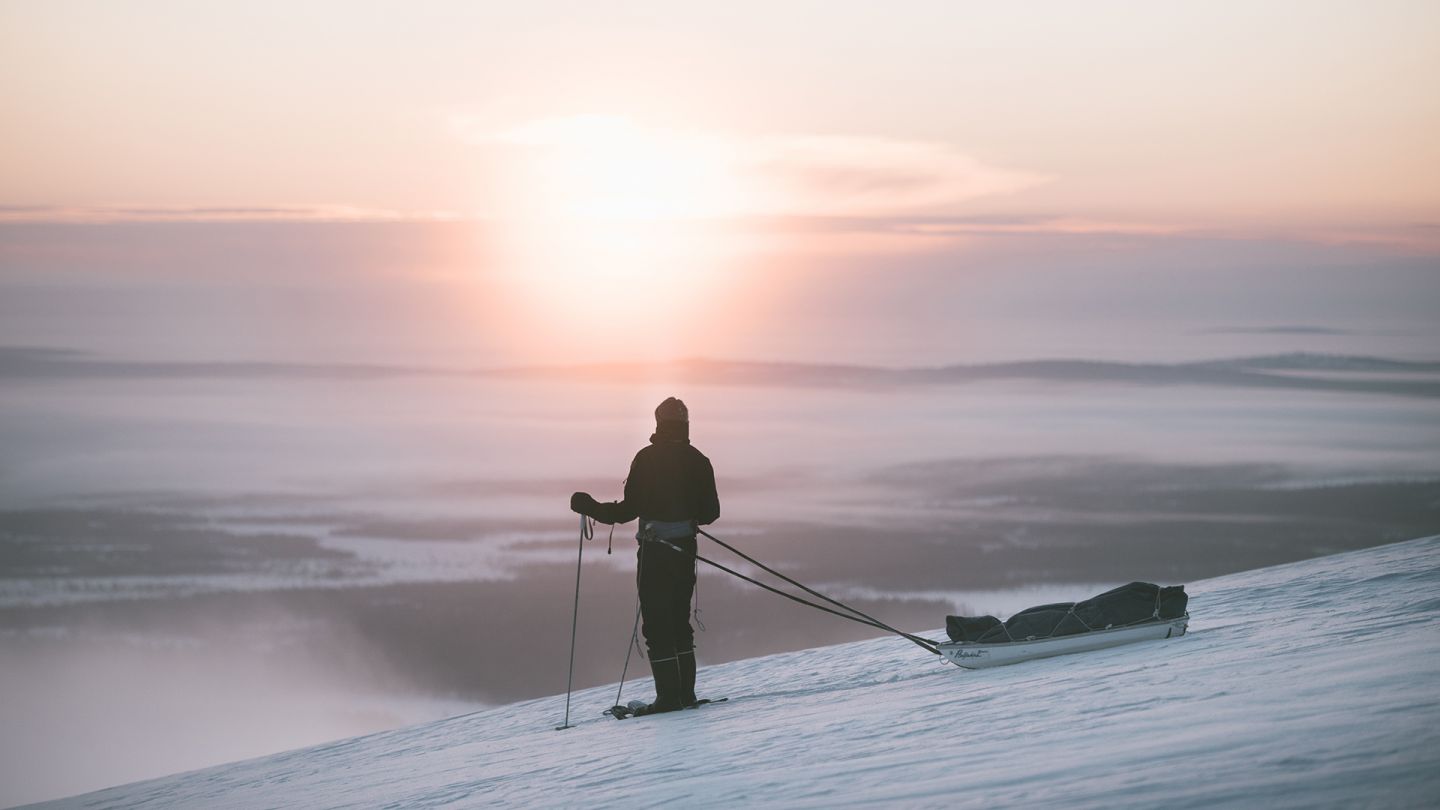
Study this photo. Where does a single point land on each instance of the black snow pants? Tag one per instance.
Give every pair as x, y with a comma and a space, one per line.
666, 578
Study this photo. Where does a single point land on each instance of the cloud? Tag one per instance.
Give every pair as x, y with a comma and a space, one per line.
596, 161
961, 226
852, 175
210, 213
1282, 329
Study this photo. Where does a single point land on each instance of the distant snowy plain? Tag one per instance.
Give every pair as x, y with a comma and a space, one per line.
1312, 684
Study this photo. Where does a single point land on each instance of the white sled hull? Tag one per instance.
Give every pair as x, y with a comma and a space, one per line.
970, 655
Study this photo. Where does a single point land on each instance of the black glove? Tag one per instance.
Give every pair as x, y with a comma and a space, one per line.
584, 504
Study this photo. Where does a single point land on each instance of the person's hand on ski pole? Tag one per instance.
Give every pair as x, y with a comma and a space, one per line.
583, 503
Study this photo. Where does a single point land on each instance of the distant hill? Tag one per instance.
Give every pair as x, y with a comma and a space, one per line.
1237, 373
1253, 372
1306, 361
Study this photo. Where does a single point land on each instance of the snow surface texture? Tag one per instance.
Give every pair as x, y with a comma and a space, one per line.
1304, 685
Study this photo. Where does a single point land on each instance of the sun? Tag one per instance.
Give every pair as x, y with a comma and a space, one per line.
602, 167
607, 233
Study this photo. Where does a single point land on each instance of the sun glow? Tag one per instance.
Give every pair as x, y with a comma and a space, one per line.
599, 214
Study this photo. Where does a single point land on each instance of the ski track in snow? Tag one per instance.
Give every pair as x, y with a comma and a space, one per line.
1305, 685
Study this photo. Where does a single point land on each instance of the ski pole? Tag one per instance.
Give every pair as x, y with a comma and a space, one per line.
574, 623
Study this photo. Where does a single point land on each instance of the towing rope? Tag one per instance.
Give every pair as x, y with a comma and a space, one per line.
859, 617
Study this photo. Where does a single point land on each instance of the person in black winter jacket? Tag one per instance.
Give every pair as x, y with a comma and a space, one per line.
671, 489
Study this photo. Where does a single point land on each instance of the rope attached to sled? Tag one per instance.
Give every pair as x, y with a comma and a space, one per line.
858, 616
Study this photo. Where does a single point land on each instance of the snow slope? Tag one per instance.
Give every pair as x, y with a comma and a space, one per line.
1305, 685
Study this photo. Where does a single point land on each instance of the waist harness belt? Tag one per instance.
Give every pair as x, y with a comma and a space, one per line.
663, 531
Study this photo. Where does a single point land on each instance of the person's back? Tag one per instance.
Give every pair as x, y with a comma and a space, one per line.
671, 489
670, 480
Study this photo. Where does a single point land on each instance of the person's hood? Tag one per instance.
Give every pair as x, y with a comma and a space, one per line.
671, 432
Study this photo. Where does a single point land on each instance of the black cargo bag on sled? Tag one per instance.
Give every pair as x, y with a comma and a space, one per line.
1135, 603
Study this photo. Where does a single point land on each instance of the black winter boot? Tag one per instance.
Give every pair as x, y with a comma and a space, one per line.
667, 686
687, 676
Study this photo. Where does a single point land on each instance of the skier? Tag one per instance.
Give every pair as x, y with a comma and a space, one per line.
671, 489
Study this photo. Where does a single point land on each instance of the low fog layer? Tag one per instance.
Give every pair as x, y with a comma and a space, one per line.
209, 639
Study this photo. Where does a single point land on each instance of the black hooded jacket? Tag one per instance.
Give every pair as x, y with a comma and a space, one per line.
669, 480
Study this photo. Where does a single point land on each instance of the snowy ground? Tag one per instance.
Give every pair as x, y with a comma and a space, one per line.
1304, 685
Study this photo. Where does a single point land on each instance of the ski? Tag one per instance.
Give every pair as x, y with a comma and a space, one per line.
633, 708
622, 712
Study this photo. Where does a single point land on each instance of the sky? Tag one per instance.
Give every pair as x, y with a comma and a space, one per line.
672, 157
1291, 114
